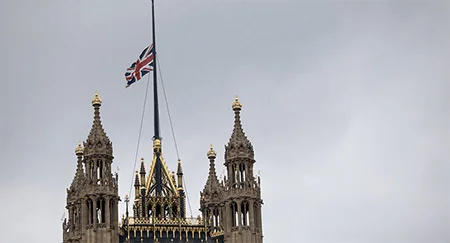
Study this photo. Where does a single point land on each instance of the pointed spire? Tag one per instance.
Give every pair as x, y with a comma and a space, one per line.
238, 145
136, 185
136, 180
212, 183
97, 141
179, 169
142, 172
79, 175
180, 175
142, 167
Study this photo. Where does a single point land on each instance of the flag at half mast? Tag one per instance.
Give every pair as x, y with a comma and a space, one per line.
142, 66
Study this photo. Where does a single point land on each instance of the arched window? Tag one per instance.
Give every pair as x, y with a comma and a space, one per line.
234, 214
236, 176
245, 211
100, 211
242, 173
216, 218
90, 209
100, 171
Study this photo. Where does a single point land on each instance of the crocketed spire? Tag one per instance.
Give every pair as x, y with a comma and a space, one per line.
97, 141
179, 168
212, 183
79, 175
142, 171
136, 179
180, 175
238, 145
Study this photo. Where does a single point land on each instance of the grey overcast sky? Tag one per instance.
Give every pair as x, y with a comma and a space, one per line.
346, 103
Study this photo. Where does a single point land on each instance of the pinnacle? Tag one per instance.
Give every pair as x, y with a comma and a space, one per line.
97, 141
142, 166
238, 145
179, 168
212, 183
79, 175
136, 179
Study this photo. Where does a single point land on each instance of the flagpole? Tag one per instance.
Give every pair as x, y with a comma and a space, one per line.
158, 165
155, 77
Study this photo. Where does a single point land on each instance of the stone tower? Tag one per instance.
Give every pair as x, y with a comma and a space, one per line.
242, 197
211, 201
232, 208
92, 199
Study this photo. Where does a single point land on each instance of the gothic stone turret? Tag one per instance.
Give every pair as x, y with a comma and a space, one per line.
233, 207
242, 197
92, 199
211, 198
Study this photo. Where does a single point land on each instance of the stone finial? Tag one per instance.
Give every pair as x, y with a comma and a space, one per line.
236, 104
79, 149
211, 153
96, 100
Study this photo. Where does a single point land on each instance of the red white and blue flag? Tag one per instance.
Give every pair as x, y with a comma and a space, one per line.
141, 67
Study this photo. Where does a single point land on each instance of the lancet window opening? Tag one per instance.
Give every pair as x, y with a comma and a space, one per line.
97, 174
245, 213
234, 214
216, 219
91, 170
90, 208
237, 176
100, 176
242, 173
100, 211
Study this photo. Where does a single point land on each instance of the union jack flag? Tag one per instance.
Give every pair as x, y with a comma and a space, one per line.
141, 67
